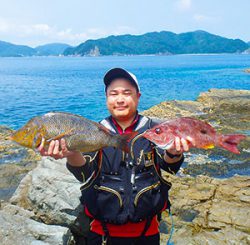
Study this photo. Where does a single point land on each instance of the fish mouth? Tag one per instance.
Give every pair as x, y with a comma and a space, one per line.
166, 146
10, 137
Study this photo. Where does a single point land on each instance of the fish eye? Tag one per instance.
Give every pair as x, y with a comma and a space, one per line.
157, 130
203, 131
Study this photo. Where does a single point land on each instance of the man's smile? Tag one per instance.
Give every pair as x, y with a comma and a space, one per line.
121, 108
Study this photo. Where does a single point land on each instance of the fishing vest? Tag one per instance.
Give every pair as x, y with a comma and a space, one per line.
123, 188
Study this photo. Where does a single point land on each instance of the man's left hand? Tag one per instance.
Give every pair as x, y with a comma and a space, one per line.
179, 146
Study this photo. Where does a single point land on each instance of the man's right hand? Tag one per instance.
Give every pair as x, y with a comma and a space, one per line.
58, 150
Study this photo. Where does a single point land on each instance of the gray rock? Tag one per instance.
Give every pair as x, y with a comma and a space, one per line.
17, 229
50, 191
15, 163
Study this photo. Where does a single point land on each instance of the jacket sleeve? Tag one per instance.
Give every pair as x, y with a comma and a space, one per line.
82, 173
172, 168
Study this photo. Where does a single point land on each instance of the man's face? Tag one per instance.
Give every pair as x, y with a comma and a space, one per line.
122, 99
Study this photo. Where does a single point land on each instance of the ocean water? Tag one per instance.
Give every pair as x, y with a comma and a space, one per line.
31, 86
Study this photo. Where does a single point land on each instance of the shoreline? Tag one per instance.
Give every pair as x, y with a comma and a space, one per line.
128, 55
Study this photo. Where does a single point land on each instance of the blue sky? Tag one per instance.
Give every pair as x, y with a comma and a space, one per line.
34, 23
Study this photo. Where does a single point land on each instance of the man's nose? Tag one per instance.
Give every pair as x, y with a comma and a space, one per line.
120, 98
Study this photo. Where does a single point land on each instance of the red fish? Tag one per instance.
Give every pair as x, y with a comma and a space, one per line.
204, 135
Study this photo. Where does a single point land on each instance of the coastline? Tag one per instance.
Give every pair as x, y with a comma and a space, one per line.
123, 55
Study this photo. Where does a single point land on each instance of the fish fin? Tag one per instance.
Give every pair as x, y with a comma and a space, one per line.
104, 128
124, 139
59, 136
230, 142
210, 146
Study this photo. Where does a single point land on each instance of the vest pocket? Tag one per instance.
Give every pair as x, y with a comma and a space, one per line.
109, 203
142, 192
149, 201
112, 191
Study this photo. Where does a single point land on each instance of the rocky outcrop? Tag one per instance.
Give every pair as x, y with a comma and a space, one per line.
204, 209
15, 163
211, 211
42, 207
225, 109
50, 191
16, 227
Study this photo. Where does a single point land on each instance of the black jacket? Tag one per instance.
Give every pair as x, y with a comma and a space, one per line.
117, 188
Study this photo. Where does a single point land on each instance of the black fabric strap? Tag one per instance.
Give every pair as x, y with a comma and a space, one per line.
147, 225
172, 156
105, 229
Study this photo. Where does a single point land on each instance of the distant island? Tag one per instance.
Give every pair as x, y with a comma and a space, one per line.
153, 43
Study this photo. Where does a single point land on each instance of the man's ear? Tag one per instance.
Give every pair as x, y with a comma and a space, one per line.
138, 95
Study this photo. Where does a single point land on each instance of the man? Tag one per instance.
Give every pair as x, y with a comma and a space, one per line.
123, 194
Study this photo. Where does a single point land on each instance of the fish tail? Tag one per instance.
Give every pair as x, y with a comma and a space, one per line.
123, 140
230, 142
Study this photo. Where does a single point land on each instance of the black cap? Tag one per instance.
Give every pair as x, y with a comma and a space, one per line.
120, 73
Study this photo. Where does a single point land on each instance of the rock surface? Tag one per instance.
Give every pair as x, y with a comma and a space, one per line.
15, 163
42, 207
210, 211
50, 191
19, 229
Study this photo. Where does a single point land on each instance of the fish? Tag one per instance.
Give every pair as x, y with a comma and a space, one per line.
80, 134
203, 134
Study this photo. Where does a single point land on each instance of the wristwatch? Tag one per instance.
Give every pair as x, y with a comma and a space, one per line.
172, 156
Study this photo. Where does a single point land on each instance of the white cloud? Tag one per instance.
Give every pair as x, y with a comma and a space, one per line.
184, 4
5, 25
202, 18
41, 33
41, 27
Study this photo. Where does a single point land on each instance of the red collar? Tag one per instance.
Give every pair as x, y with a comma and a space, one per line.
127, 130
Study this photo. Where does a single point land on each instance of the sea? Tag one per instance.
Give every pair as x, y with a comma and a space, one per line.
31, 86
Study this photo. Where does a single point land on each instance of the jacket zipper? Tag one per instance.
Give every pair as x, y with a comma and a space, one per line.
104, 188
148, 188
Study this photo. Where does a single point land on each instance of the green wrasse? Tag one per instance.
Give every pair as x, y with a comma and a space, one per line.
79, 133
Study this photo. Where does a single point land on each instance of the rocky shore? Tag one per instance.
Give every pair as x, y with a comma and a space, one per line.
210, 197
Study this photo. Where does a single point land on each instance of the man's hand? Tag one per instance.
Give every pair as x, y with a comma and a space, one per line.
57, 149
179, 146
